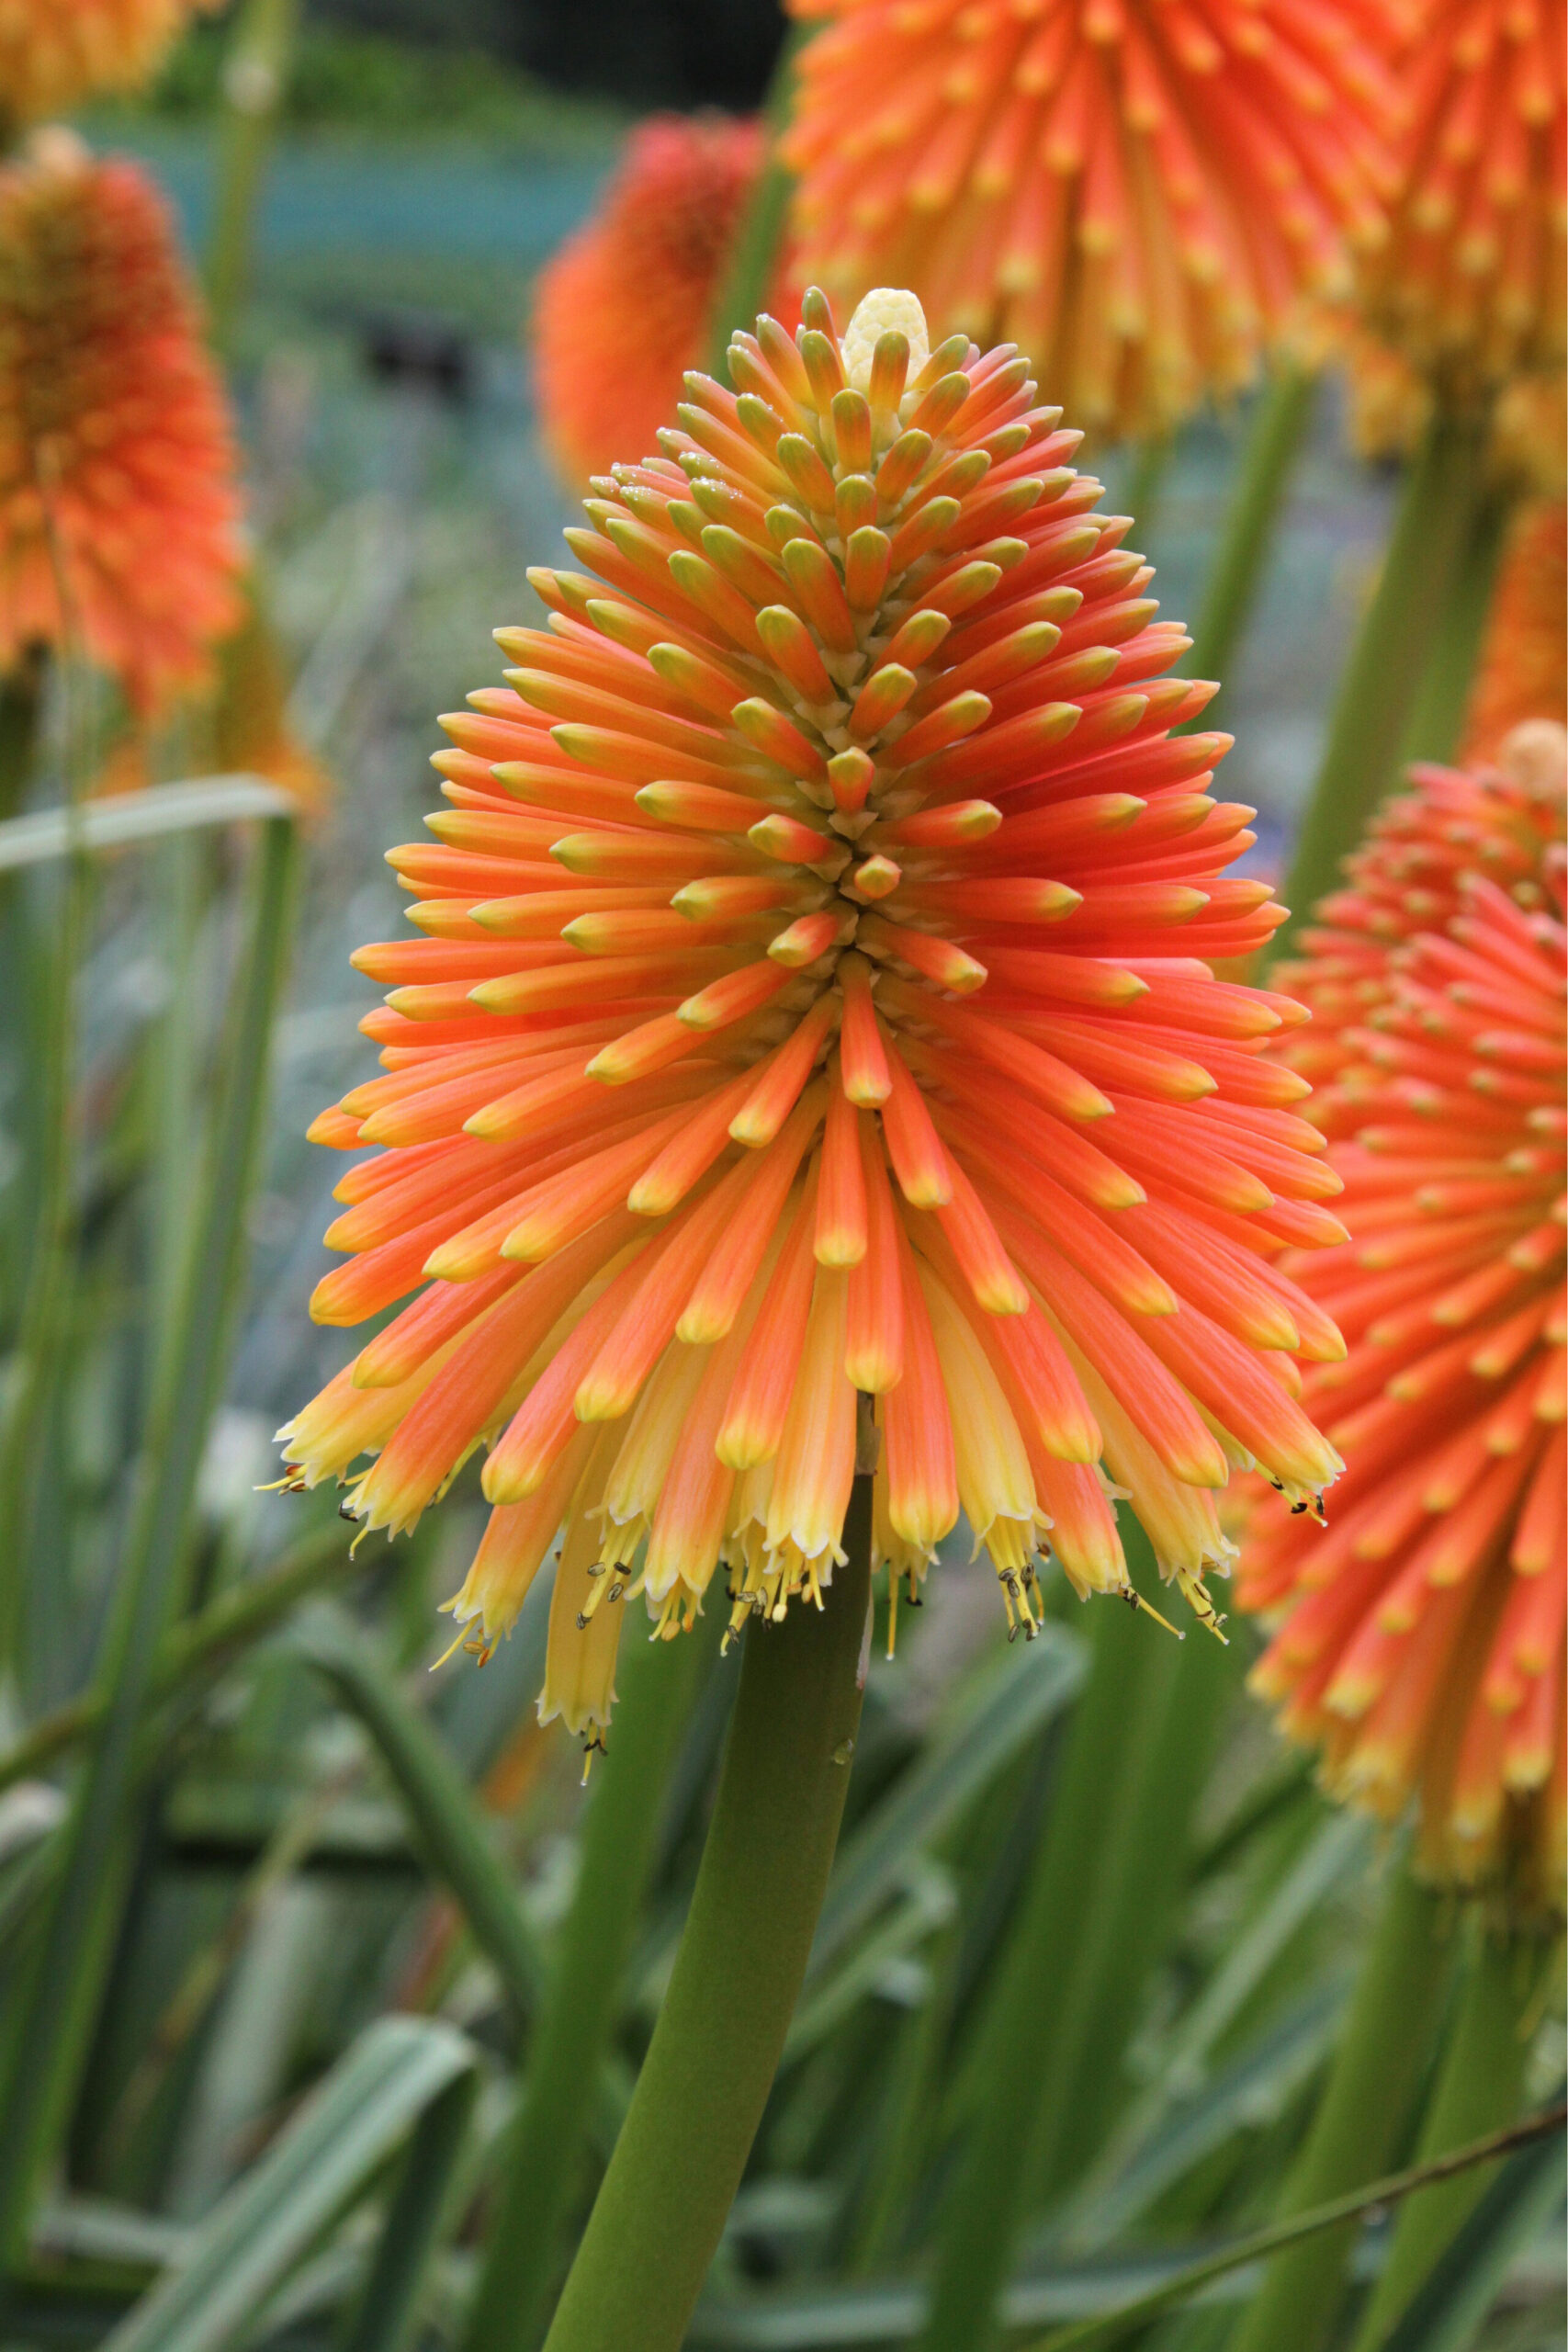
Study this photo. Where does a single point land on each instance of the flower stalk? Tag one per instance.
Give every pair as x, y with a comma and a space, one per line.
1092, 1915
751, 270
1361, 2115
255, 77
1480, 2089
657, 1683
1281, 419
1388, 663
711, 2062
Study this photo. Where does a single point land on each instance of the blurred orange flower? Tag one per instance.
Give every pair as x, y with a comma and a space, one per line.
625, 308
1422, 1642
117, 462
54, 54
244, 726
1524, 663
826, 877
1136, 193
1469, 283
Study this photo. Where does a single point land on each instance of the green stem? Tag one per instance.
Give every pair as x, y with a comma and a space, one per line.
255, 78
51, 956
540, 2165
1437, 722
52, 2025
1280, 422
1383, 677
1045, 2060
710, 2066
1480, 2089
752, 267
1150, 466
1522, 2145
1361, 2115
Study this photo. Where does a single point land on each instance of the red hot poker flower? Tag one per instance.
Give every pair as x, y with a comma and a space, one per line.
1469, 283
54, 54
1138, 193
813, 1001
623, 310
1422, 1643
117, 465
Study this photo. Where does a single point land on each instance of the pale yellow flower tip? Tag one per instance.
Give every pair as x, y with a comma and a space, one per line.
1535, 754
887, 309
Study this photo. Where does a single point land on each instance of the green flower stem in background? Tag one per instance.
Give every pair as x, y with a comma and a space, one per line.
49, 941
1147, 478
255, 80
657, 1683
752, 266
1480, 2089
710, 2066
1436, 728
51, 2019
1044, 2069
1523, 2144
172, 1075
1388, 663
1361, 2116
1280, 422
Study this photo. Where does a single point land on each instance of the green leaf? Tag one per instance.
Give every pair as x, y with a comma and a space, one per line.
1029, 1688
197, 1645
1334, 2214
413, 2223
441, 1805
398, 2070
163, 808
1448, 2312
51, 2026
929, 1901
1250, 2091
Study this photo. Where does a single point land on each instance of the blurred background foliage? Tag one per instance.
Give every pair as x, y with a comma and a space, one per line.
349, 1882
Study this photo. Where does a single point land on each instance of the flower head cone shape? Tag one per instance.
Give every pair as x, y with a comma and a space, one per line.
1137, 193
119, 508
814, 1001
54, 54
625, 308
1524, 661
1469, 284
1422, 1642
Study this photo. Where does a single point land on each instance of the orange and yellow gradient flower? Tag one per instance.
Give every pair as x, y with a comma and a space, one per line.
119, 508
813, 1002
625, 306
1469, 284
1422, 1645
54, 54
1524, 661
1137, 193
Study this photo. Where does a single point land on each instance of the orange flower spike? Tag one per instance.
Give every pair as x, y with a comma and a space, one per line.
118, 486
623, 310
54, 54
693, 1151
1032, 173
1524, 669
1421, 1646
1469, 283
